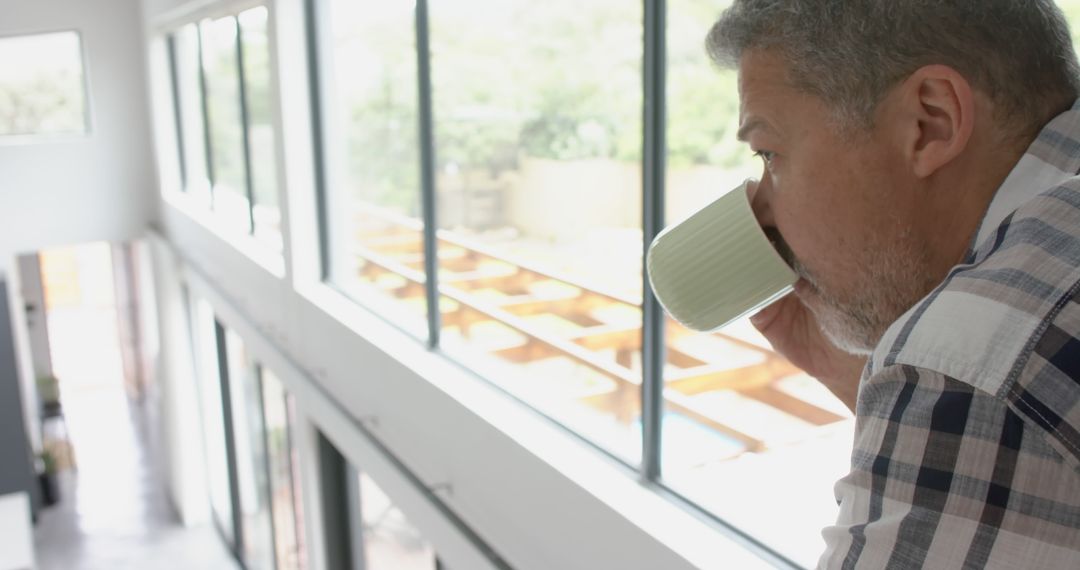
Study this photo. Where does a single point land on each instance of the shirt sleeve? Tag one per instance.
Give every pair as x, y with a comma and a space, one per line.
946, 476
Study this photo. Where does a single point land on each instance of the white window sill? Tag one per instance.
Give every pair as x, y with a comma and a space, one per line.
701, 542
266, 257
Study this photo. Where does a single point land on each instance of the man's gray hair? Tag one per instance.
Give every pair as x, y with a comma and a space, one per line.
850, 53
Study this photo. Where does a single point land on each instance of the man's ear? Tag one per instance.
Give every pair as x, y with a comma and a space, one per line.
938, 109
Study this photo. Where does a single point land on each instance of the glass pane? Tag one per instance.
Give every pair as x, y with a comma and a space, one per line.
742, 427
1071, 8
252, 478
538, 133
259, 92
41, 85
297, 488
221, 67
390, 542
189, 98
283, 503
370, 123
213, 419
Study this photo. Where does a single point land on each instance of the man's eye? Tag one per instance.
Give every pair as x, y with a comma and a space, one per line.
765, 155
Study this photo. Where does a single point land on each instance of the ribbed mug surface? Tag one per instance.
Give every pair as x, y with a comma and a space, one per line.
717, 265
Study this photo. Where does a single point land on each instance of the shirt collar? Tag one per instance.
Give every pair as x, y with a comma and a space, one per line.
1052, 158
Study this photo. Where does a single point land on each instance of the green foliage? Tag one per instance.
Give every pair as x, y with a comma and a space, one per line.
376, 59
558, 79
223, 109
384, 145
551, 79
44, 104
48, 462
257, 73
48, 388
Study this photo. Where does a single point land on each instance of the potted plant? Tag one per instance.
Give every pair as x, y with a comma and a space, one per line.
48, 388
47, 478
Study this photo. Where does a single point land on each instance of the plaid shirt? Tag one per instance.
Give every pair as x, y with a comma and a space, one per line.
967, 442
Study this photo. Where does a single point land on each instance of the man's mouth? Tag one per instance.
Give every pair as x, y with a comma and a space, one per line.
781, 246
805, 284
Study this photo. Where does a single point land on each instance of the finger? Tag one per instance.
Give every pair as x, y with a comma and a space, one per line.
766, 317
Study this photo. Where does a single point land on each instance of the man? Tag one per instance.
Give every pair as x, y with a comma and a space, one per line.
920, 176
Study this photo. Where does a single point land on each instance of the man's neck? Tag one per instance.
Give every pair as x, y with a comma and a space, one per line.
962, 196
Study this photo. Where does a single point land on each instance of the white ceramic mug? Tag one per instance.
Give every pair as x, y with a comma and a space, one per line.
718, 265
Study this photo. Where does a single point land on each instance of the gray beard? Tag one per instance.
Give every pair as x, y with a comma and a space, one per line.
893, 281
854, 330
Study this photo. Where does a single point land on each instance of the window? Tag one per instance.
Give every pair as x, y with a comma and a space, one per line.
1071, 8
743, 429
538, 142
259, 103
363, 526
538, 193
212, 410
371, 163
251, 456
223, 108
252, 468
225, 97
286, 504
187, 73
538, 139
42, 89
387, 540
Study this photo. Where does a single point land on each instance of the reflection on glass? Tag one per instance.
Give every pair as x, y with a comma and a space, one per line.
373, 194
742, 427
390, 542
41, 85
221, 69
189, 100
258, 91
284, 502
251, 463
213, 420
538, 140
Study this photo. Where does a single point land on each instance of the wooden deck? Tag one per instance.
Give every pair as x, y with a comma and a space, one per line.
556, 317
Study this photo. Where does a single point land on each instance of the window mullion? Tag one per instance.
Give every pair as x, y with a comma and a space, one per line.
266, 464
427, 173
316, 55
207, 143
174, 78
245, 120
653, 172
230, 439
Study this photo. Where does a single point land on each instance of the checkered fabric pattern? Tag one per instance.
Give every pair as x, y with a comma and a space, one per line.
967, 443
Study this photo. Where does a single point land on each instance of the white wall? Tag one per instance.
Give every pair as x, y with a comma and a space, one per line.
100, 187
175, 398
